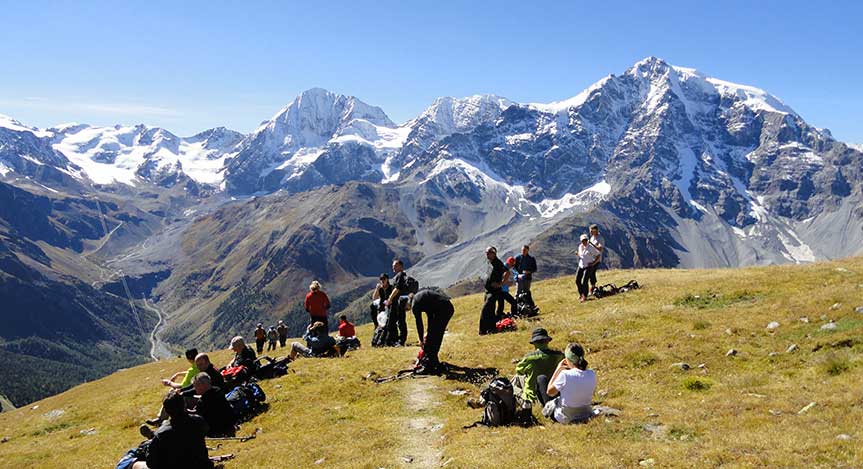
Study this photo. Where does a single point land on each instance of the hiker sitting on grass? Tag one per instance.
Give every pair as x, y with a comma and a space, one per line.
187, 375
347, 336
573, 384
542, 361
186, 384
179, 442
202, 361
243, 354
318, 342
213, 407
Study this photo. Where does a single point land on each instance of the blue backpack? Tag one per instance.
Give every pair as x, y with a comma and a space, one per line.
245, 399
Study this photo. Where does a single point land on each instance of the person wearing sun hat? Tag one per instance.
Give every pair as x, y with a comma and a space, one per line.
541, 361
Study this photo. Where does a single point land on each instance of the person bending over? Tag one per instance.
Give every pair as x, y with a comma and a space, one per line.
318, 342
179, 442
569, 392
439, 310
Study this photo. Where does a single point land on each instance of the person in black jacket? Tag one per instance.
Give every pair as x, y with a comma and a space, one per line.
439, 310
213, 406
396, 322
525, 265
202, 361
243, 354
382, 292
179, 442
493, 283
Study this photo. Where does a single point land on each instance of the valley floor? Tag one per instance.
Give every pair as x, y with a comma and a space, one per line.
770, 404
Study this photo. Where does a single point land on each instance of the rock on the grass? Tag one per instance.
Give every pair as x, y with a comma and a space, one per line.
772, 326
773, 354
731, 353
792, 348
858, 309
804, 320
647, 462
836, 306
829, 326
680, 366
843, 437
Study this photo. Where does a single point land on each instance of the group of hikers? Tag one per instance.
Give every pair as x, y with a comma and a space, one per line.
197, 407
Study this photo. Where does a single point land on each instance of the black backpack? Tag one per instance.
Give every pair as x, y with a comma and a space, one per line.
499, 403
245, 399
412, 284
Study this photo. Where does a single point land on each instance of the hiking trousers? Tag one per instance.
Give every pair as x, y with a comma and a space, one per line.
505, 297
581, 281
397, 325
542, 389
437, 322
260, 344
488, 316
591, 274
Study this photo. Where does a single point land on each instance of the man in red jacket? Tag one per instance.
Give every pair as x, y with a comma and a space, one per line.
317, 303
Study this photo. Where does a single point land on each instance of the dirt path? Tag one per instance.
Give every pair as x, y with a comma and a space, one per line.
422, 445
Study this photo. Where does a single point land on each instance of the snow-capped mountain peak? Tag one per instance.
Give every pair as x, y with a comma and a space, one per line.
9, 123
460, 115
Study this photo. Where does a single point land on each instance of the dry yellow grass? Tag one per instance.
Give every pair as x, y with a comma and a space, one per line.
324, 412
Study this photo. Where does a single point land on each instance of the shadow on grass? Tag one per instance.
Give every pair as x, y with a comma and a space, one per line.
477, 376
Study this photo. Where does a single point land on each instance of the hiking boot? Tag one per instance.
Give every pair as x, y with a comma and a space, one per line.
475, 403
153, 422
146, 432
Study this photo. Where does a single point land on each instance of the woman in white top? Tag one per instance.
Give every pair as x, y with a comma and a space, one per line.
573, 384
587, 256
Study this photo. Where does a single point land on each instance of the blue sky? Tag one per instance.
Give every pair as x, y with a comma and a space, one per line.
188, 66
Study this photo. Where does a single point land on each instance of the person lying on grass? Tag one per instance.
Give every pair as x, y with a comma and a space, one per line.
569, 392
318, 342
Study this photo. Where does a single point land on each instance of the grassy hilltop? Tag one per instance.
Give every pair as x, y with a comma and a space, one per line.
749, 409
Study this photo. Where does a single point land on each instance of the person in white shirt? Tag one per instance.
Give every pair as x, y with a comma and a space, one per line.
598, 242
571, 388
587, 256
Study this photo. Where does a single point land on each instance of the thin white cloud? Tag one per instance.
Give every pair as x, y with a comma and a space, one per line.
125, 109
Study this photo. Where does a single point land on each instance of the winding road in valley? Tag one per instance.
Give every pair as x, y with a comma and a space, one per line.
158, 349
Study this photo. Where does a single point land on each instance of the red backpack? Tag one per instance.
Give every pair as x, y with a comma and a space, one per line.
505, 324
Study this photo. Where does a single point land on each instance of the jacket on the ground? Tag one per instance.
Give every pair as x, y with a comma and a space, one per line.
180, 443
541, 361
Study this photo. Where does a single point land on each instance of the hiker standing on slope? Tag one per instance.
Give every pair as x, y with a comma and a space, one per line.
396, 302
587, 255
282, 329
260, 338
317, 304
599, 243
272, 337
382, 292
525, 264
493, 283
508, 279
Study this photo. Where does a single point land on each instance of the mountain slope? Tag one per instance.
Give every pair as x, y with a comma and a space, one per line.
744, 409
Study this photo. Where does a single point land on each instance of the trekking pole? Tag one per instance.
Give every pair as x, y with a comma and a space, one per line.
241, 439
222, 458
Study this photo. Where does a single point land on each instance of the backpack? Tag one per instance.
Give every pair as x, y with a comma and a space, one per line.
499, 403
631, 285
605, 290
505, 324
245, 399
379, 337
412, 284
269, 368
235, 374
524, 308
